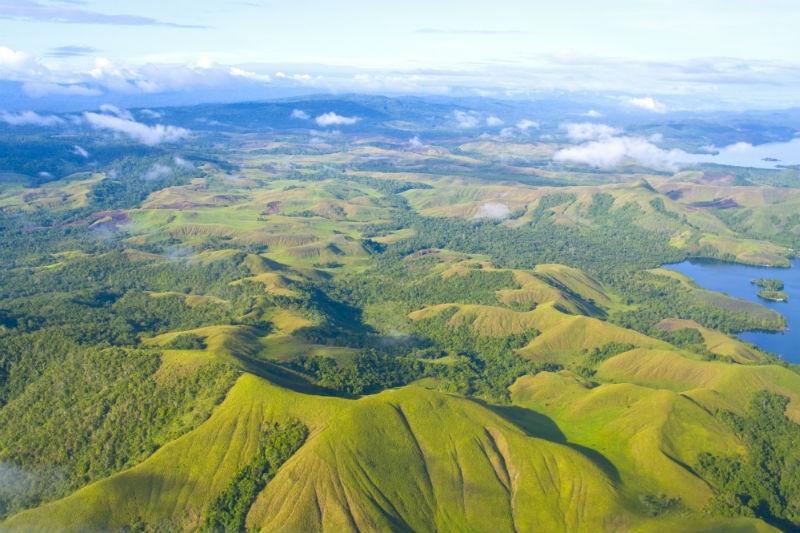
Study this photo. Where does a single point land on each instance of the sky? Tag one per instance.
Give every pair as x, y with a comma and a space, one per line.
701, 53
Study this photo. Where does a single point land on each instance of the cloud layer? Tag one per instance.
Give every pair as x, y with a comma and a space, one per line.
149, 135
30, 118
493, 121
688, 84
588, 131
609, 152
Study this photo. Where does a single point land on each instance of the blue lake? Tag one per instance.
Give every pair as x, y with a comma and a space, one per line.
734, 280
770, 155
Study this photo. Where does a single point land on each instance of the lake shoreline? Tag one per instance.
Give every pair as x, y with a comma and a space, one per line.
736, 280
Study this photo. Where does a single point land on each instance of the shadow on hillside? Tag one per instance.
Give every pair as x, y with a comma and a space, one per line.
543, 427
533, 423
284, 377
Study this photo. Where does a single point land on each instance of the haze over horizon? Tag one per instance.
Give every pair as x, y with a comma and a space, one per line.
656, 55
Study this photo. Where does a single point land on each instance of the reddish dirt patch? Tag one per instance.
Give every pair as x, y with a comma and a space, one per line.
184, 205
717, 203
110, 219
273, 208
422, 253
717, 177
116, 217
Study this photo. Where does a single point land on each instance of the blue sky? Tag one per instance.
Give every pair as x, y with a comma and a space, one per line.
737, 51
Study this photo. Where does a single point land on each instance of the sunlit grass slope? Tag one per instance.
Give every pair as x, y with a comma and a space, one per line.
562, 336
243, 344
651, 436
435, 462
576, 281
410, 459
406, 459
569, 289
711, 383
717, 342
178, 481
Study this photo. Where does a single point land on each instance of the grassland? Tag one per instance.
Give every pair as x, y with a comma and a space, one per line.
651, 436
562, 339
710, 383
717, 342
300, 265
455, 455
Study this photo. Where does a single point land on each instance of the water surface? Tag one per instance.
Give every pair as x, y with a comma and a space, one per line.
770, 155
734, 280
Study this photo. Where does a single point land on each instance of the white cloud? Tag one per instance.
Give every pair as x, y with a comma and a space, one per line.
149, 135
526, 124
37, 89
493, 121
648, 103
300, 114
157, 171
332, 119
147, 79
149, 113
592, 113
414, 144
30, 118
699, 83
16, 65
14, 59
183, 163
609, 152
111, 109
9, 57
154, 78
493, 210
588, 131
466, 120
81, 151
296, 77
241, 73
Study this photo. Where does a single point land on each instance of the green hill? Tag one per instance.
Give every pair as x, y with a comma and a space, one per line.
562, 338
651, 436
712, 384
433, 463
717, 342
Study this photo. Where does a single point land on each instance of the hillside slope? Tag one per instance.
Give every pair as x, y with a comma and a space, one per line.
407, 459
